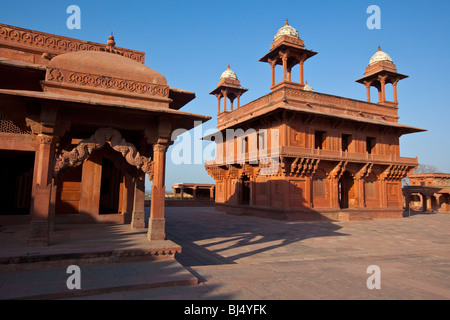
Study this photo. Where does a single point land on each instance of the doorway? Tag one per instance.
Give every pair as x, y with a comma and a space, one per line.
16, 171
346, 192
245, 191
110, 188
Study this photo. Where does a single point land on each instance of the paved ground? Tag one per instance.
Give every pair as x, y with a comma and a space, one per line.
253, 258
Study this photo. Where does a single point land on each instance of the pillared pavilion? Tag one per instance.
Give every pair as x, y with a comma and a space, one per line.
81, 126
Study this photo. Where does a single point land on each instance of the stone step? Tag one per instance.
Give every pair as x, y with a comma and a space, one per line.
51, 283
46, 257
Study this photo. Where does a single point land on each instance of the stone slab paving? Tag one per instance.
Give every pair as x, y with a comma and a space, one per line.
249, 258
241, 257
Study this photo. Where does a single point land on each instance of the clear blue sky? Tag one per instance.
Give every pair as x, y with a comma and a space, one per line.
192, 42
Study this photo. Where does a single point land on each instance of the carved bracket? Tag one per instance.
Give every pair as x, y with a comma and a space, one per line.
102, 136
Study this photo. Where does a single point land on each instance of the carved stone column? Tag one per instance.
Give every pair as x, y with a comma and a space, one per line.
156, 226
284, 58
368, 84
138, 215
42, 189
382, 80
394, 85
273, 63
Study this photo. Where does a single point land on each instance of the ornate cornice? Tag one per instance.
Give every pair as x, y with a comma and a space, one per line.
43, 42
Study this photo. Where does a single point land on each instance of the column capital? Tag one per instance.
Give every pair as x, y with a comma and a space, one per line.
46, 139
382, 79
159, 147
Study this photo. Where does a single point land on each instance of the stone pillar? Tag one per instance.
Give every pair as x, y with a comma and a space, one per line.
394, 85
360, 195
138, 215
182, 192
211, 193
42, 189
53, 206
272, 67
302, 81
383, 88
194, 193
218, 103
407, 197
429, 208
225, 96
367, 84
156, 226
284, 58
128, 200
437, 196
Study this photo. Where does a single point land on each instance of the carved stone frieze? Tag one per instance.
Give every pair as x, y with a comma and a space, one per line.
102, 82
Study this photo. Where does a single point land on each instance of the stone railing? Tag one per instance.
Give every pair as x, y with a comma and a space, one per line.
331, 155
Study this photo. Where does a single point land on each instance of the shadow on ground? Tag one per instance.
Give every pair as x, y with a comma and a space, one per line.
209, 237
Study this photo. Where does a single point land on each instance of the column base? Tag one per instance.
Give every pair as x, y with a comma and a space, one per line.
39, 234
156, 229
138, 220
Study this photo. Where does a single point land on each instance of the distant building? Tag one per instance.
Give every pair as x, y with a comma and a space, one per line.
338, 158
428, 192
198, 191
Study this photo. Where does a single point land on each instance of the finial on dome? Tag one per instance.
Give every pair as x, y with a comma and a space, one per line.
379, 48
287, 22
111, 41
229, 67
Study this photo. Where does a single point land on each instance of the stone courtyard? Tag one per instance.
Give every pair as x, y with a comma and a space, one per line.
256, 258
250, 258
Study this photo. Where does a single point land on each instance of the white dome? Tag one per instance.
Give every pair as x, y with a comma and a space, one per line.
307, 87
287, 30
380, 56
229, 74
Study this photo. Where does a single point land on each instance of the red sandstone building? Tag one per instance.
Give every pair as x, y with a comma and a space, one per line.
338, 158
81, 126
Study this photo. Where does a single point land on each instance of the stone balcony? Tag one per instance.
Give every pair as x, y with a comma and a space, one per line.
327, 155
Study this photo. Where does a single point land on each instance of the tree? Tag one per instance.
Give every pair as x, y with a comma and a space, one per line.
426, 168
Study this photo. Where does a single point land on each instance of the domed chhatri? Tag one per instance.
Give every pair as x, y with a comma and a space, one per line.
229, 88
229, 74
380, 56
287, 30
